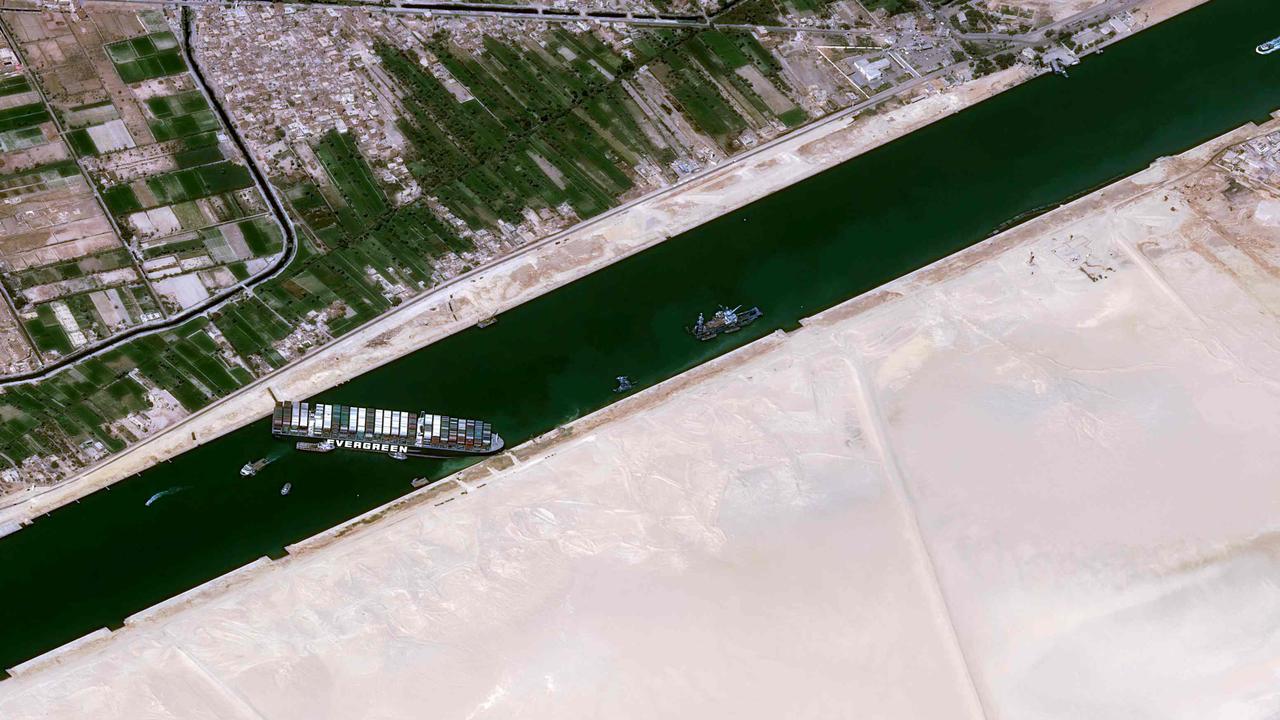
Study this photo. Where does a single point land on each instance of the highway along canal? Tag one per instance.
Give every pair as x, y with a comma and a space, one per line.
873, 219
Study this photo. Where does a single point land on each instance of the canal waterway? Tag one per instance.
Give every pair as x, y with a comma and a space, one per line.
875, 218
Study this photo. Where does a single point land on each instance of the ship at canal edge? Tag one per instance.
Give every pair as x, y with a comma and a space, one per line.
396, 433
725, 320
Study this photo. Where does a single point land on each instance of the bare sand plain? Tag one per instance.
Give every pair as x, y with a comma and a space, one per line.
1035, 480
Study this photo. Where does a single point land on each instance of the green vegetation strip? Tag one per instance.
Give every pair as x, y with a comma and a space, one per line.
23, 116
150, 56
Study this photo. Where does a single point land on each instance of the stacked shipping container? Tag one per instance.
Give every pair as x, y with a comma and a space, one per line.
410, 432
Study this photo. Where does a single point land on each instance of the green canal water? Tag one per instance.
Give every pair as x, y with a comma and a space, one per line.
873, 219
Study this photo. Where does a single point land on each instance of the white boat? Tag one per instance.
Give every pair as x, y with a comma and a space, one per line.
1269, 47
287, 487
251, 468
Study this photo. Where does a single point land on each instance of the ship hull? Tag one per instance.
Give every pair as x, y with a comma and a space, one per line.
319, 427
386, 448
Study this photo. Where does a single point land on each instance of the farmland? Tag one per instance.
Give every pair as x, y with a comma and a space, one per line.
133, 208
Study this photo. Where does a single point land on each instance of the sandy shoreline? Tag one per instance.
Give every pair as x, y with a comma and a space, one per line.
541, 268
981, 489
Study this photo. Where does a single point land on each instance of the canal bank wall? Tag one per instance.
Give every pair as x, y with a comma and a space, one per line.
549, 264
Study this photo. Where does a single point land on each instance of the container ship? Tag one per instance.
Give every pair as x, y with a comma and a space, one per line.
318, 427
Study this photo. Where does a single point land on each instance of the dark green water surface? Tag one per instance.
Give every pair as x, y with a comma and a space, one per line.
813, 245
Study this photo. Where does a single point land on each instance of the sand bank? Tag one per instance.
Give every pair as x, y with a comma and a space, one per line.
1034, 480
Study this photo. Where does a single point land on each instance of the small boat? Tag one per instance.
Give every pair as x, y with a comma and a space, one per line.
1269, 47
397, 455
487, 321
419, 482
163, 493
287, 487
726, 320
624, 384
251, 468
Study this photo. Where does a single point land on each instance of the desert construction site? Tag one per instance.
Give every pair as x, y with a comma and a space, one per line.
1033, 480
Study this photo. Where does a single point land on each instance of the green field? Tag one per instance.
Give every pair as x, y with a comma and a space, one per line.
262, 236
14, 85
181, 186
81, 143
203, 181
150, 56
23, 116
13, 187
47, 332
121, 199
101, 262
552, 125
363, 200
180, 115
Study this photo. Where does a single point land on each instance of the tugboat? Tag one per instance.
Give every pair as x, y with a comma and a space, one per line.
624, 384
287, 487
323, 446
251, 468
725, 320
1269, 47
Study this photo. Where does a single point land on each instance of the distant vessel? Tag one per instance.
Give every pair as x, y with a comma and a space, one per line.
624, 384
487, 321
323, 446
396, 433
419, 482
1269, 47
251, 468
163, 493
724, 321
287, 487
